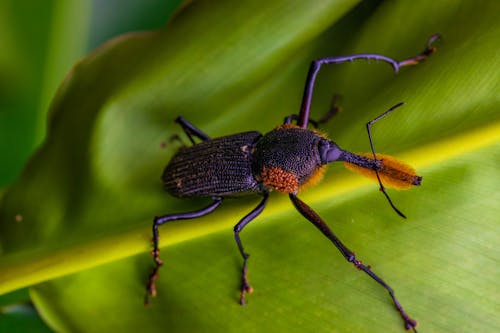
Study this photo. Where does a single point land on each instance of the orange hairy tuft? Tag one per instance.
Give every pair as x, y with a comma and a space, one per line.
315, 178
315, 130
280, 179
393, 173
285, 126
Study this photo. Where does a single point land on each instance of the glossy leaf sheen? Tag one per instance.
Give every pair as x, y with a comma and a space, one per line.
88, 196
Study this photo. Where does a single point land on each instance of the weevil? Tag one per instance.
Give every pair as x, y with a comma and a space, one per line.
285, 159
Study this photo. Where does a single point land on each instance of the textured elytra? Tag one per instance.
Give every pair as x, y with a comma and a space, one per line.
292, 149
216, 167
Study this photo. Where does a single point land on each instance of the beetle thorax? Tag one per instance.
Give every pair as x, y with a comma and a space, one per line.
286, 158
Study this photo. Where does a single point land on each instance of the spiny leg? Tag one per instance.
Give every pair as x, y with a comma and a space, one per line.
151, 286
429, 49
372, 147
303, 117
332, 111
191, 130
313, 217
245, 286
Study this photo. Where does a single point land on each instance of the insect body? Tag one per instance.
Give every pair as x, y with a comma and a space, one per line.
218, 167
284, 159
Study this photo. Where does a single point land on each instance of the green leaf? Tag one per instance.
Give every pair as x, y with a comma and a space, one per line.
40, 41
77, 224
18, 314
21, 318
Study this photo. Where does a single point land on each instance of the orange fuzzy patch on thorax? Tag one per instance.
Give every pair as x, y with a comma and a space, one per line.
280, 180
315, 178
285, 126
393, 173
286, 181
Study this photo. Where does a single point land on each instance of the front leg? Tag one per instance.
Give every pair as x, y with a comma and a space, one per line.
315, 66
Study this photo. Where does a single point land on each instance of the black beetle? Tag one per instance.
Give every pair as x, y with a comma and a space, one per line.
285, 159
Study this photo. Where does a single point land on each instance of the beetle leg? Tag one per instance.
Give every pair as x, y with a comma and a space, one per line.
191, 130
316, 65
313, 217
332, 111
295, 117
151, 286
245, 286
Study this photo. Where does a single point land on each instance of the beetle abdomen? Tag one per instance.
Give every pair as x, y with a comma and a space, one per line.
216, 167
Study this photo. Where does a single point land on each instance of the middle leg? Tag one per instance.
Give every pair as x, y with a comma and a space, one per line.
246, 288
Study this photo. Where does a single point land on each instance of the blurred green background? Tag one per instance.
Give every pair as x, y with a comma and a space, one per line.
40, 41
